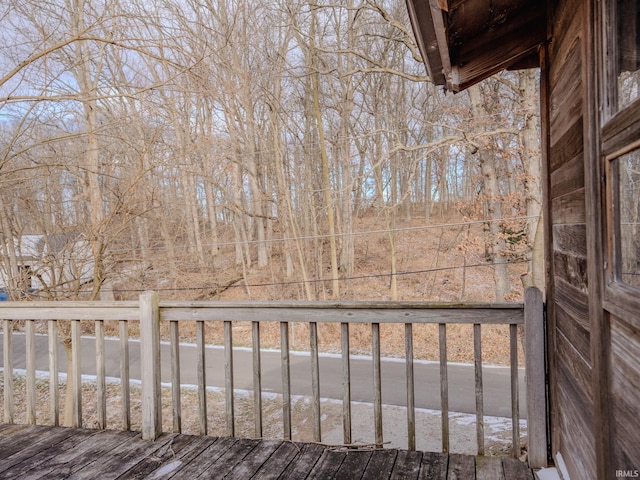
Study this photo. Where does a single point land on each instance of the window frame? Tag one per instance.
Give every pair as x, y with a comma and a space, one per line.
620, 134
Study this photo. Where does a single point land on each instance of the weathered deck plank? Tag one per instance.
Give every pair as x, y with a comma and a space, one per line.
461, 467
380, 465
62, 459
327, 465
252, 463
56, 452
489, 468
232, 457
7, 428
198, 465
17, 439
120, 459
169, 458
353, 465
44, 458
172, 464
84, 454
302, 464
513, 470
407, 466
278, 462
434, 466
53, 437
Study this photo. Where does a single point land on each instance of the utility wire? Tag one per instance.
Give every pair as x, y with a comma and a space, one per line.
344, 234
319, 280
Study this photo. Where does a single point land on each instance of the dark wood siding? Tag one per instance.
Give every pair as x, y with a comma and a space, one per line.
572, 394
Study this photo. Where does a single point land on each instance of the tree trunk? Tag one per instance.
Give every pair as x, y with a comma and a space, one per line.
8, 245
493, 202
531, 161
326, 178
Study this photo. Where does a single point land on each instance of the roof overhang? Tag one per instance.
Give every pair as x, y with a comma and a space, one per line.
465, 41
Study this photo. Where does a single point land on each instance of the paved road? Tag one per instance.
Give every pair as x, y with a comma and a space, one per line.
496, 380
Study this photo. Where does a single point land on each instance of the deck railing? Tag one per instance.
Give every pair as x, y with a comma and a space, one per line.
150, 313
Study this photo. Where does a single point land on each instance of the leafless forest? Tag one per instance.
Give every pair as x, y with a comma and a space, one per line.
277, 149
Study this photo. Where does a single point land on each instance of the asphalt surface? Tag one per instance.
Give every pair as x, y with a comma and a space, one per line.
496, 380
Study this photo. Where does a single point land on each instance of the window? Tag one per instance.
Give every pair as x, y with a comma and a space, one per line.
626, 170
621, 143
627, 52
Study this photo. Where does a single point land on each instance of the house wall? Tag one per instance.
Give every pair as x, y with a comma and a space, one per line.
64, 268
593, 318
593, 330
572, 400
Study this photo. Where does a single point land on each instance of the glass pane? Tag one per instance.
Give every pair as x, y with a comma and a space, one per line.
628, 52
629, 205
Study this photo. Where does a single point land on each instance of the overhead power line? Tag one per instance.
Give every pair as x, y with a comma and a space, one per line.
343, 234
318, 280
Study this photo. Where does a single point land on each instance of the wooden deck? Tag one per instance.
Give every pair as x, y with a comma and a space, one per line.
30, 452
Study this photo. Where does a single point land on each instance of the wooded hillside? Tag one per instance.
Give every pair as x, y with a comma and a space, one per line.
200, 147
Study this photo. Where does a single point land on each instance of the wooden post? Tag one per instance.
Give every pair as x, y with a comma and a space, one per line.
150, 365
535, 378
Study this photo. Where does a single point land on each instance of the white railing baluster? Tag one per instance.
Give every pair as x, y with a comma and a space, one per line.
411, 405
125, 391
228, 378
477, 354
30, 340
202, 379
174, 340
101, 387
54, 402
315, 382
377, 384
444, 387
76, 374
257, 379
346, 384
7, 357
515, 401
286, 380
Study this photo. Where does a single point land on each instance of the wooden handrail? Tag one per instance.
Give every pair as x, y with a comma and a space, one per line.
350, 312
